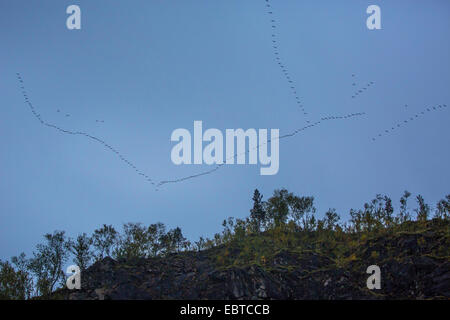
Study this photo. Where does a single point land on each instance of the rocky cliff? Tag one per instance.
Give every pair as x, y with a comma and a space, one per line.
414, 265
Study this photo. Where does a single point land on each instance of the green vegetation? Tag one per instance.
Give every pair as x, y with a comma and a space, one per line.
284, 222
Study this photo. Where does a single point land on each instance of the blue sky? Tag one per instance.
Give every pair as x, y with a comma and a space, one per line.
147, 68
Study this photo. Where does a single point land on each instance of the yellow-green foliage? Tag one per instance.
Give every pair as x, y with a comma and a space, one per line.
374, 255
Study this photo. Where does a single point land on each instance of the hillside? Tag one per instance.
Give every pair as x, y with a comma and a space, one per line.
414, 264
283, 250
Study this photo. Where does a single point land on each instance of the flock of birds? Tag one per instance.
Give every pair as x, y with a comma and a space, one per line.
280, 63
361, 90
65, 131
293, 133
406, 121
293, 89
138, 171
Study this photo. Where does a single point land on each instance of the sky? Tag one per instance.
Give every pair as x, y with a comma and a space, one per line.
138, 70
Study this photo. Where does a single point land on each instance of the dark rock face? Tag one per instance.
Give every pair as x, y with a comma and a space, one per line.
408, 271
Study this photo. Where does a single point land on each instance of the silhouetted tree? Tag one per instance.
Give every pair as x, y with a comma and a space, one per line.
277, 207
356, 220
443, 208
404, 214
103, 240
257, 213
178, 238
15, 281
331, 219
200, 244
284, 204
81, 249
424, 209
172, 241
9, 290
155, 233
388, 212
300, 209
134, 243
48, 260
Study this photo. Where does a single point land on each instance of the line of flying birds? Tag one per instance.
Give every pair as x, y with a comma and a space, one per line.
293, 133
129, 163
282, 65
61, 130
293, 89
406, 121
362, 89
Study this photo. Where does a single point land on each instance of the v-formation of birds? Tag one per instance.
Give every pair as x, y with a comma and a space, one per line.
361, 89
138, 171
287, 76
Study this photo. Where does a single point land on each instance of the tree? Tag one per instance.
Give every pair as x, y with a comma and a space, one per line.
404, 214
200, 244
134, 243
103, 240
9, 290
443, 208
15, 281
424, 209
187, 246
239, 230
284, 204
81, 249
257, 213
172, 241
24, 278
48, 260
356, 220
178, 238
380, 211
300, 209
155, 233
369, 222
388, 212
277, 207
331, 219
